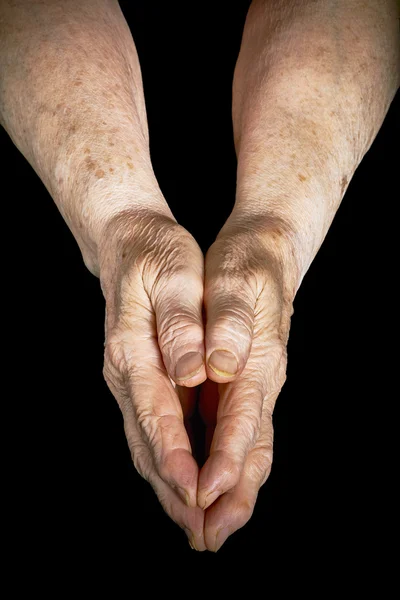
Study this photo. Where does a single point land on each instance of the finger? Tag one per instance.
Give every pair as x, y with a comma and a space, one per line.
160, 419
235, 436
230, 301
190, 519
233, 510
176, 295
136, 376
240, 409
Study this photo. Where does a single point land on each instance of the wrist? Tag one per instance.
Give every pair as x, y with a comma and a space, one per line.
109, 217
133, 237
266, 245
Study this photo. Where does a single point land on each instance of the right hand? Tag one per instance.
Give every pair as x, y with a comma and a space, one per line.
151, 274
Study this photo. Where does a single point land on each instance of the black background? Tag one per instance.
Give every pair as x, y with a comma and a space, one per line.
75, 501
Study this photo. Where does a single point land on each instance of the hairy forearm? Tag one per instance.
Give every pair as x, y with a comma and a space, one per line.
313, 83
71, 99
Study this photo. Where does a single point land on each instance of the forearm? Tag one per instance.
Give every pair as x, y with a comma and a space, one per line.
312, 85
71, 99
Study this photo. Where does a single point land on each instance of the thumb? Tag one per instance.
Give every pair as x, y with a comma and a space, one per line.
230, 299
177, 299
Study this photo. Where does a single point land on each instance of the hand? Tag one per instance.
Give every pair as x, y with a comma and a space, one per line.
151, 273
248, 309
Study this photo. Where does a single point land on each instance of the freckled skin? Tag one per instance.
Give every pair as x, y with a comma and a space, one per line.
90, 165
306, 107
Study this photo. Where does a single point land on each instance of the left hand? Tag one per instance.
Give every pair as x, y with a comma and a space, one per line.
248, 306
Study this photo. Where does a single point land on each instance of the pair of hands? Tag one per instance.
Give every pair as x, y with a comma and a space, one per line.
161, 343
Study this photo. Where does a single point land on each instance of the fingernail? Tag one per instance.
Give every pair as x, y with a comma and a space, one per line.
223, 363
192, 543
221, 537
188, 365
210, 498
183, 494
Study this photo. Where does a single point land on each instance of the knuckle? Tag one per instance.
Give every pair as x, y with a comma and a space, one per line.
244, 511
122, 358
113, 371
278, 367
164, 470
259, 464
243, 428
140, 456
114, 355
148, 424
228, 467
272, 376
177, 331
115, 383
232, 320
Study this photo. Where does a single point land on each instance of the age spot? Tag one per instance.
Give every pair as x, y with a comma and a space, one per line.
130, 165
275, 234
87, 150
78, 82
111, 170
99, 173
301, 177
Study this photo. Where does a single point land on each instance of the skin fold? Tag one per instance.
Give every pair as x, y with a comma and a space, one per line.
312, 85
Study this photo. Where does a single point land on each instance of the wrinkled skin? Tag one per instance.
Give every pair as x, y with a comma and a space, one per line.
158, 283
312, 85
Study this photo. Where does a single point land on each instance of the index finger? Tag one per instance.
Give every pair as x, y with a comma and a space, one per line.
239, 413
134, 355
